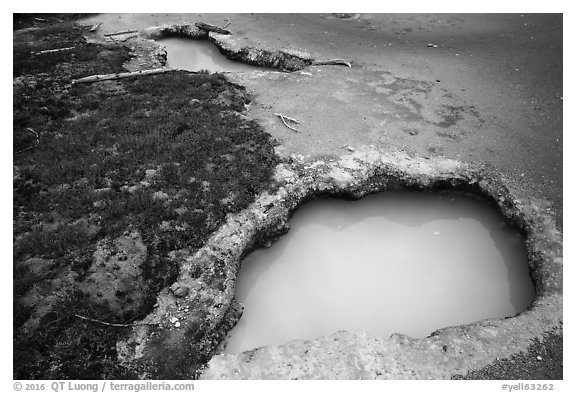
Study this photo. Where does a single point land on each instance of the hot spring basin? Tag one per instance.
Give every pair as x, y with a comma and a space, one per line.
196, 55
393, 262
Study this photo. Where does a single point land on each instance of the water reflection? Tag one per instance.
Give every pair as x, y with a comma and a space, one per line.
197, 55
391, 262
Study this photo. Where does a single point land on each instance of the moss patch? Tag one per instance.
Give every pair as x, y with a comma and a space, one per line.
164, 156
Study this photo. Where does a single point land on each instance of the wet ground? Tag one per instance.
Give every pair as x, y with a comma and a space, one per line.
489, 89
490, 92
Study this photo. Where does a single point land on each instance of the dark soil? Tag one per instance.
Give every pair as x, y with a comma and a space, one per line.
167, 155
22, 21
543, 361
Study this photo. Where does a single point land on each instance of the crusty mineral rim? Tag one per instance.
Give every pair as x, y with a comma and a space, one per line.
235, 48
353, 355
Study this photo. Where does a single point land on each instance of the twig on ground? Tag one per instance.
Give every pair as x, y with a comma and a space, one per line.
284, 118
287, 118
107, 77
41, 52
96, 26
114, 324
31, 147
128, 38
121, 32
348, 147
333, 62
105, 323
207, 27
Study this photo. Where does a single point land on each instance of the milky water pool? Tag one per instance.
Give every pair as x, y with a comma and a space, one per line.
196, 55
394, 262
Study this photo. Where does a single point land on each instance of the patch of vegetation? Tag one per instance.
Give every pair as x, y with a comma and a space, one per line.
168, 155
23, 21
67, 347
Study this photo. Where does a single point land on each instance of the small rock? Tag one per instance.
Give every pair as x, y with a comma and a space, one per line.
539, 358
98, 204
150, 173
160, 195
174, 320
432, 46
177, 324
181, 291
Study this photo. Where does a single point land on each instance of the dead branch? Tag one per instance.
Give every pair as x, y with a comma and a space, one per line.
121, 32
284, 118
31, 147
333, 62
228, 22
287, 118
104, 323
41, 52
213, 28
96, 27
107, 77
128, 38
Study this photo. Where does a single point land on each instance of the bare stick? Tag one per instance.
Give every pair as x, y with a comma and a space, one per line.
207, 27
112, 324
41, 52
107, 77
95, 27
128, 38
104, 323
333, 62
31, 147
228, 22
284, 118
121, 32
287, 118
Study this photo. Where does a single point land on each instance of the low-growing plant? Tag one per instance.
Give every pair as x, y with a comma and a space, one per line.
160, 154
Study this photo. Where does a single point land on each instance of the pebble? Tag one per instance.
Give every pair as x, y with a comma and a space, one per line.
538, 357
180, 290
